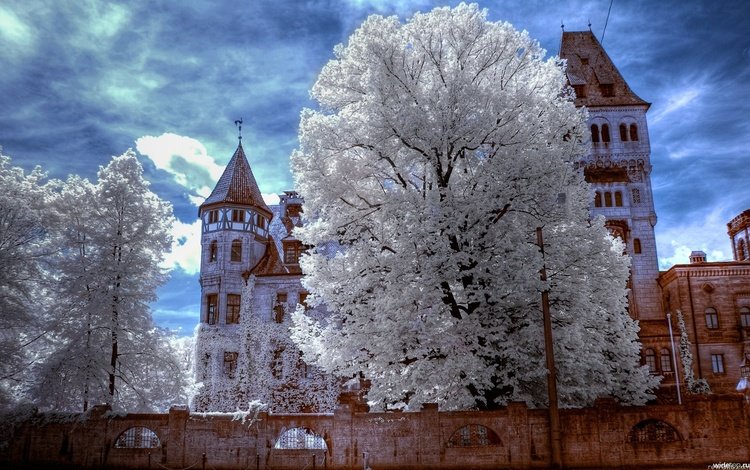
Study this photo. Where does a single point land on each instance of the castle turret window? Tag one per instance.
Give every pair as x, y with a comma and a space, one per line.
236, 250
212, 310
213, 216
594, 133
238, 215
279, 307
712, 318
233, 308
608, 199
665, 360
598, 199
618, 198
741, 251
213, 250
623, 132
605, 133
633, 132
637, 246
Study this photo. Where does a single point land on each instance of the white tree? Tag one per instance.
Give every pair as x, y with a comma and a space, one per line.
22, 250
440, 145
104, 347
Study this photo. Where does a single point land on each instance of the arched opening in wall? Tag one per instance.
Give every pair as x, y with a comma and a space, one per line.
653, 430
137, 437
605, 133
213, 250
618, 198
598, 199
637, 246
608, 199
712, 318
623, 133
741, 250
650, 357
474, 435
300, 438
594, 133
633, 132
665, 360
236, 250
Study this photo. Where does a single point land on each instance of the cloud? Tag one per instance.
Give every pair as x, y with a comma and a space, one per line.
14, 32
676, 102
700, 230
186, 247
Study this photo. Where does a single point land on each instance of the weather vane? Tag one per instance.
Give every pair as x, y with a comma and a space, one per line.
589, 24
238, 123
562, 25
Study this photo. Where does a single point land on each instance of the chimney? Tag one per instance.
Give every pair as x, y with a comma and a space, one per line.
697, 257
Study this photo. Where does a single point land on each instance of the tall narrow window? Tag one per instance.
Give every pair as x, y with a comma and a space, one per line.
665, 360
618, 198
633, 132
636, 193
637, 246
717, 363
233, 308
745, 317
279, 307
608, 199
303, 299
651, 360
741, 252
212, 310
712, 318
213, 250
623, 133
594, 133
292, 250
213, 216
605, 133
238, 215
230, 364
236, 250
277, 363
598, 199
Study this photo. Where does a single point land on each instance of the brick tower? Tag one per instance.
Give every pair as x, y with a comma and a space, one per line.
619, 164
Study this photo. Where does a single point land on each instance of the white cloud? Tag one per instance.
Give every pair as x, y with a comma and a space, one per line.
14, 32
186, 248
702, 232
675, 103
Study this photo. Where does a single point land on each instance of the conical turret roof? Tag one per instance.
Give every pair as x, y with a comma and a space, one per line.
237, 185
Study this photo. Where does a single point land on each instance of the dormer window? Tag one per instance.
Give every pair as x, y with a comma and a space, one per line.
292, 250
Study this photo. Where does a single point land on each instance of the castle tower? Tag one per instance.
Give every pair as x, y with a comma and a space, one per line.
619, 164
739, 233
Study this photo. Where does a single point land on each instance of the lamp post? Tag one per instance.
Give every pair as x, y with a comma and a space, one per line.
554, 412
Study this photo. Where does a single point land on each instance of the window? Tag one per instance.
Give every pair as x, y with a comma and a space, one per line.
623, 133
233, 308
213, 216
665, 360
637, 246
652, 430
474, 435
607, 90
303, 299
745, 317
236, 250
230, 364
292, 250
598, 199
741, 252
261, 222
636, 193
618, 198
651, 360
633, 132
608, 199
213, 251
277, 364
238, 215
605, 132
594, 133
137, 437
212, 311
712, 318
717, 363
279, 307
300, 438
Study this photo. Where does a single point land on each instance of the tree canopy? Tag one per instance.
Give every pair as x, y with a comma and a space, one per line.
439, 146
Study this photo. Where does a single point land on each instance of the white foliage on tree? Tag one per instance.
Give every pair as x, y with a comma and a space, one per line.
103, 346
269, 369
694, 386
440, 145
22, 253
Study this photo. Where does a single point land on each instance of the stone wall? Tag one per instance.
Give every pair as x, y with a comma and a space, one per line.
700, 432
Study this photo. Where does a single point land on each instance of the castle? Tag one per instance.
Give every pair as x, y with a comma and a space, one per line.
250, 264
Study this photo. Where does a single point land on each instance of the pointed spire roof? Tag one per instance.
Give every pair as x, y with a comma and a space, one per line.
592, 72
237, 185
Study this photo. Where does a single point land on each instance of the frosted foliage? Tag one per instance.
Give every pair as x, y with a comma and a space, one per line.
439, 147
694, 386
102, 345
270, 369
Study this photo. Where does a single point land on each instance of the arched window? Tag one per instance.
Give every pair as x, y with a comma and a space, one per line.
712, 318
637, 246
623, 132
594, 133
474, 435
741, 251
665, 360
605, 132
653, 430
633, 132
636, 193
745, 317
236, 250
608, 199
137, 437
598, 199
300, 438
651, 360
213, 251
618, 198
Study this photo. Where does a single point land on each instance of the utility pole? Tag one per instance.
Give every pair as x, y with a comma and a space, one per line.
554, 412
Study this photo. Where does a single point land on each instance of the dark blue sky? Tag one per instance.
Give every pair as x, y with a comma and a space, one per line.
82, 81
